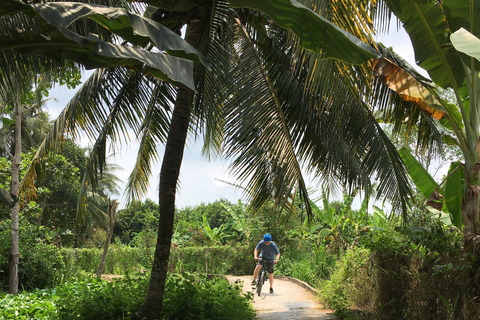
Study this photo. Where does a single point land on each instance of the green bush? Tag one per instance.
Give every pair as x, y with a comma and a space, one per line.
196, 297
402, 275
120, 260
351, 285
97, 299
86, 299
311, 267
38, 304
187, 296
40, 265
234, 260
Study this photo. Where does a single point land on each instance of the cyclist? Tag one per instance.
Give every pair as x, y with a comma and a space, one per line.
269, 254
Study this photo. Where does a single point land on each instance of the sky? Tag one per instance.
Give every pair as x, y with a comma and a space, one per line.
199, 178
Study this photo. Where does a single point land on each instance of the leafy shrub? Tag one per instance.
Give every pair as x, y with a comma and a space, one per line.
309, 266
404, 274
234, 260
41, 264
97, 299
187, 296
352, 284
38, 304
96, 238
196, 297
120, 260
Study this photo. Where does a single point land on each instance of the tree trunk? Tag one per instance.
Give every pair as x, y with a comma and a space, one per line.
15, 229
168, 182
471, 230
172, 161
112, 212
471, 208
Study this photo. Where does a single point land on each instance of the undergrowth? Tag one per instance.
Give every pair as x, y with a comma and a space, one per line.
187, 296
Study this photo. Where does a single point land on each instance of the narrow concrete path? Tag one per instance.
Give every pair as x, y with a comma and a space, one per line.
290, 301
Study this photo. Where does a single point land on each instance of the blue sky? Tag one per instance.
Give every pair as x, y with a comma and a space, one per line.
198, 176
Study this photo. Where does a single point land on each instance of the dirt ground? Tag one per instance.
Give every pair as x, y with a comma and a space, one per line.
110, 277
289, 301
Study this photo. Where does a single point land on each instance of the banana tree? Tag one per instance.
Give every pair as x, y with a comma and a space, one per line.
242, 222
332, 222
49, 32
221, 234
444, 199
445, 35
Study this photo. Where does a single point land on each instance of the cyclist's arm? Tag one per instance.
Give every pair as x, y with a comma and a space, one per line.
255, 254
276, 258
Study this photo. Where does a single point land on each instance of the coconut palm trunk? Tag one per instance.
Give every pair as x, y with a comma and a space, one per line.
112, 212
169, 173
15, 229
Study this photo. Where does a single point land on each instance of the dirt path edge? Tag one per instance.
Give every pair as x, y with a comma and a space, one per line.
300, 283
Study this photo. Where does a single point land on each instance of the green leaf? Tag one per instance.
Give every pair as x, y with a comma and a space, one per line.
379, 218
58, 42
443, 216
449, 140
428, 29
315, 32
454, 192
422, 179
462, 14
7, 122
136, 29
466, 42
325, 232
454, 112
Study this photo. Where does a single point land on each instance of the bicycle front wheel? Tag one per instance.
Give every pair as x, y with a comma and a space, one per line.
260, 281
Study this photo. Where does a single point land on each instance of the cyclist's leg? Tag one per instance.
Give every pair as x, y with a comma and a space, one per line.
256, 271
270, 273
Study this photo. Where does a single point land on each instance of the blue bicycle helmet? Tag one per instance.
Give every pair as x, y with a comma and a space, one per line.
267, 237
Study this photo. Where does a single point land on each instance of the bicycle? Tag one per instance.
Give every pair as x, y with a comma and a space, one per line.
262, 276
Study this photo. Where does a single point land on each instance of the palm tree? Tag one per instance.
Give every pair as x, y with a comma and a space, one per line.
270, 127
268, 104
99, 199
14, 100
41, 29
103, 208
25, 100
35, 125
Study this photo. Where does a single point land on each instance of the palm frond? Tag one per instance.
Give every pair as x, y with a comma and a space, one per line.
153, 131
257, 134
332, 128
80, 112
207, 113
124, 114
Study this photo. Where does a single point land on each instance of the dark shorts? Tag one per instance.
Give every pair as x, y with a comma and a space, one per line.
269, 264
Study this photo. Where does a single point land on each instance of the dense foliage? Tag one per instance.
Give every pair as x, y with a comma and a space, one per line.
367, 266
55, 204
138, 218
188, 296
